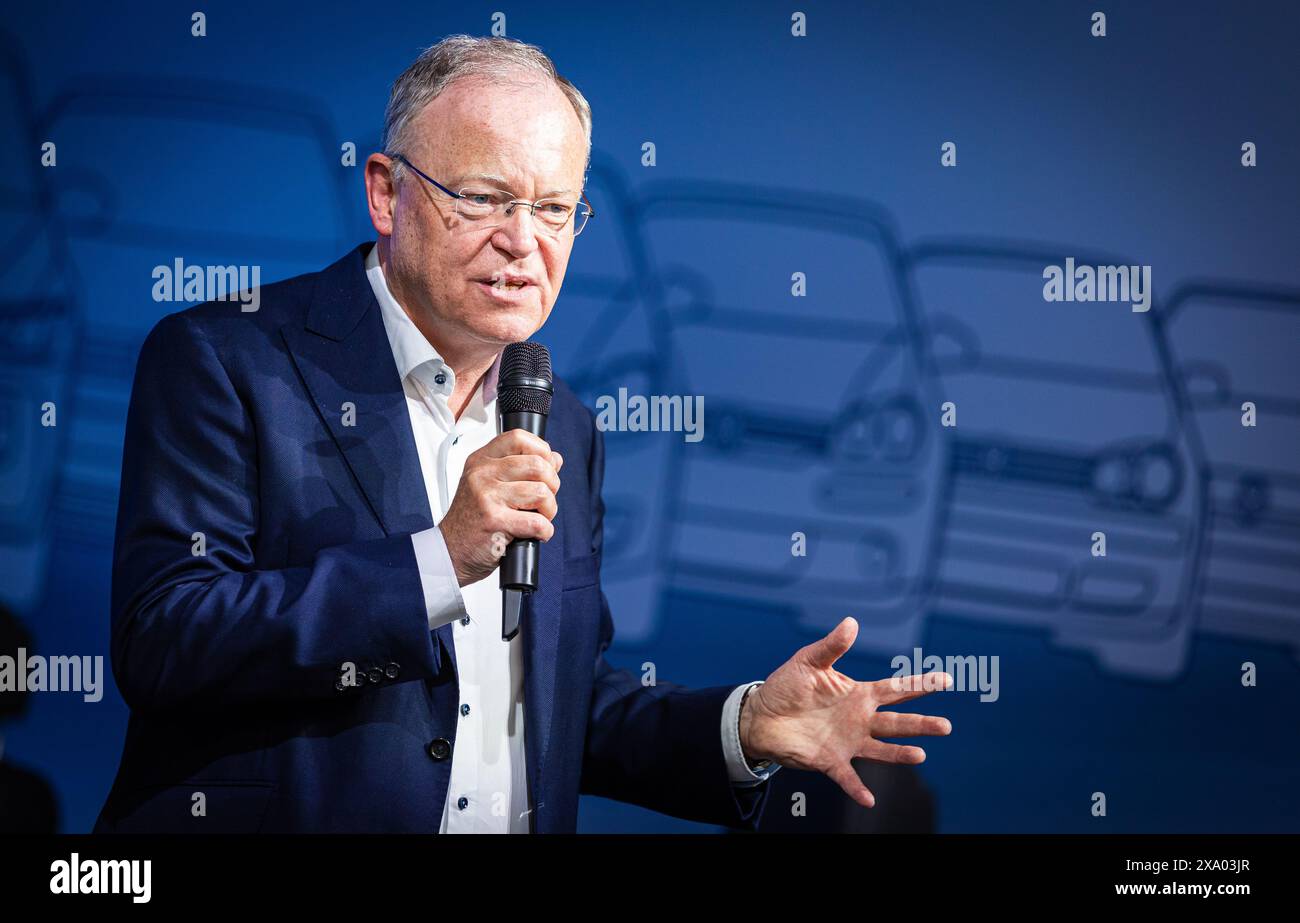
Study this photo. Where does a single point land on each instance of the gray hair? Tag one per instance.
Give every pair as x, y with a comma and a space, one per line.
504, 60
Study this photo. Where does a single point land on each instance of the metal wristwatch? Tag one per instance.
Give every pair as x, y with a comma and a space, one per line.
762, 764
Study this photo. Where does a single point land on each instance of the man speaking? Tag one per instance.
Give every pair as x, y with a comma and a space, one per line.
307, 611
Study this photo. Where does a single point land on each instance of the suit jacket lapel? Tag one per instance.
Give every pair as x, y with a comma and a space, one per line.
345, 359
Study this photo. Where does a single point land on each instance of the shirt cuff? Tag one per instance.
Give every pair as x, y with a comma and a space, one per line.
442, 599
738, 768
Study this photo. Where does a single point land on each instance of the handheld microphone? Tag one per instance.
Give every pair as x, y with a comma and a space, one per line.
524, 393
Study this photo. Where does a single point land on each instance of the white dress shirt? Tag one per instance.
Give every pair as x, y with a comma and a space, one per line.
489, 790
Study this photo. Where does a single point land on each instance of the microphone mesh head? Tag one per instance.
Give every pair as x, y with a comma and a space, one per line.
523, 361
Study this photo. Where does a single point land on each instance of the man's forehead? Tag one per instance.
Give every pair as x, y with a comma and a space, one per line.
497, 113
548, 170
506, 135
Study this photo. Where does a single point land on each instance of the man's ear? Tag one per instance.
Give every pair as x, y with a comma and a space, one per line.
381, 193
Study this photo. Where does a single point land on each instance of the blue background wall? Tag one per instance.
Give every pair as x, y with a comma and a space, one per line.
775, 155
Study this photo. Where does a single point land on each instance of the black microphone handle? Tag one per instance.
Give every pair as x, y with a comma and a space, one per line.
519, 565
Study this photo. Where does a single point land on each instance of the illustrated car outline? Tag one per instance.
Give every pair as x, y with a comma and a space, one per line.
1137, 488
888, 592
112, 248
1252, 521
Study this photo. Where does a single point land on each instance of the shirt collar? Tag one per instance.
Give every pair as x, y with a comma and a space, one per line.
413, 353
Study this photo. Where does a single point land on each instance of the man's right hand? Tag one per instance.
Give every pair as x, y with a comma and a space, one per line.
507, 491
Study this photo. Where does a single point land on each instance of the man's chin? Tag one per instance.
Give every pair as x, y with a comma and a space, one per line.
506, 328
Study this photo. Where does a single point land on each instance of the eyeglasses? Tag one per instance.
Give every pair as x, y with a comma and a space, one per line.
490, 207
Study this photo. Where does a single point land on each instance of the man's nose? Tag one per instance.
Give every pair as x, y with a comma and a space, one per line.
520, 229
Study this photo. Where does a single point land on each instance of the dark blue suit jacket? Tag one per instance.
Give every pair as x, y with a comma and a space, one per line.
229, 660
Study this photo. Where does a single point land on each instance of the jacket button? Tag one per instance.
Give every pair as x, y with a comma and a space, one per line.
440, 749
375, 675
463, 803
392, 670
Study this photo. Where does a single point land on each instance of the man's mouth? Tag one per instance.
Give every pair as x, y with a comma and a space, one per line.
511, 291
508, 283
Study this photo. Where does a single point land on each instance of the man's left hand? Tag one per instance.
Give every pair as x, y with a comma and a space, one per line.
808, 715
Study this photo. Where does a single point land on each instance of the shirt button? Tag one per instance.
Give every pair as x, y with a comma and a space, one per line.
440, 378
464, 710
464, 620
463, 803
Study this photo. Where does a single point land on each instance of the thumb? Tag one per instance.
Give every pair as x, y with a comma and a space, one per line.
823, 654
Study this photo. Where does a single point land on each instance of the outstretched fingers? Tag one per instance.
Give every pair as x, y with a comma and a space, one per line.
894, 724
823, 653
846, 777
891, 753
897, 689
